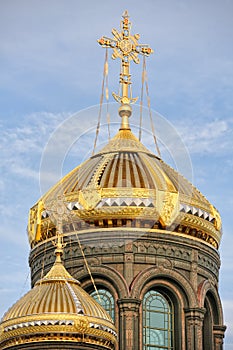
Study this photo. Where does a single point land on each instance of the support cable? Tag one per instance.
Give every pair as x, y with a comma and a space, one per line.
83, 254
61, 213
141, 99
149, 108
105, 72
107, 94
86, 262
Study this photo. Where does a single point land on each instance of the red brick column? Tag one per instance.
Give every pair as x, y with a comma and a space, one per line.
218, 332
129, 324
194, 326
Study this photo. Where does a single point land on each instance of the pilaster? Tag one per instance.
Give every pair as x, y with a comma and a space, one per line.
218, 332
128, 262
194, 325
129, 324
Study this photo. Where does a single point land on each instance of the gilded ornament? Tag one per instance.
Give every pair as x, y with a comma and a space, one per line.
58, 210
126, 47
40, 208
168, 207
135, 172
218, 222
89, 198
32, 223
82, 324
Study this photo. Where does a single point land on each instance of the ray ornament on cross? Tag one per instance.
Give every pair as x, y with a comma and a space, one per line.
126, 47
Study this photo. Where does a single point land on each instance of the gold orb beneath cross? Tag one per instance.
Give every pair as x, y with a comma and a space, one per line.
125, 110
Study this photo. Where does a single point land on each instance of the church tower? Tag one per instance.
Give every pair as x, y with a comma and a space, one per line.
140, 238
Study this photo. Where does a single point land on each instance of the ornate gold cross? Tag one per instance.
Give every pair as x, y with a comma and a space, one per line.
126, 47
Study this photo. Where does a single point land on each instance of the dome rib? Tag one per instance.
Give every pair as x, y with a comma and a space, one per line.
125, 181
130, 170
54, 302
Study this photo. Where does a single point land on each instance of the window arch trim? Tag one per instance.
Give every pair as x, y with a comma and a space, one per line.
158, 321
168, 288
175, 281
107, 300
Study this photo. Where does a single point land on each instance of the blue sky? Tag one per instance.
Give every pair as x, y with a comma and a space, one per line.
51, 67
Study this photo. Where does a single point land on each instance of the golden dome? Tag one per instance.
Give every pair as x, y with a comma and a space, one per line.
125, 184
57, 308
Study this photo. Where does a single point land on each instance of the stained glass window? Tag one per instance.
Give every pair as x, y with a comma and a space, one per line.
106, 300
157, 322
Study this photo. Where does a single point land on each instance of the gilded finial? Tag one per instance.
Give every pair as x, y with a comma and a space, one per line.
126, 47
59, 212
60, 245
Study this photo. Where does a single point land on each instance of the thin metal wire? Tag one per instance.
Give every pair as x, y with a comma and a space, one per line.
68, 215
107, 94
42, 269
84, 258
24, 285
101, 99
71, 253
141, 99
43, 261
86, 262
150, 113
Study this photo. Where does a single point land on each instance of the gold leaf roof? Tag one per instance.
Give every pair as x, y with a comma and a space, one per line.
125, 180
57, 303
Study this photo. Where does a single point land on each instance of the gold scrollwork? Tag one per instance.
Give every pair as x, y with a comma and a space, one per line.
216, 215
168, 206
34, 221
81, 324
89, 198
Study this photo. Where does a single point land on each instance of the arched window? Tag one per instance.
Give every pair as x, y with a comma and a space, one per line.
105, 299
158, 321
211, 318
207, 332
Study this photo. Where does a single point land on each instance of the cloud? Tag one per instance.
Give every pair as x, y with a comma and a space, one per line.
21, 146
15, 284
49, 58
215, 137
228, 318
56, 43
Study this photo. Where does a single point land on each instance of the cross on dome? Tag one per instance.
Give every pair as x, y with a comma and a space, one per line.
126, 47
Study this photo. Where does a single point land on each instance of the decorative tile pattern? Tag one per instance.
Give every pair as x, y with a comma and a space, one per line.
104, 328
126, 202
188, 209
40, 323
74, 206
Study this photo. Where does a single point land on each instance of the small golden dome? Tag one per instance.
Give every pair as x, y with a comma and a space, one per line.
125, 181
57, 308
